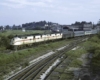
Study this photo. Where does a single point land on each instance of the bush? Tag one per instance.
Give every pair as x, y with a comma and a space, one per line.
75, 63
93, 46
76, 53
95, 39
68, 76
5, 41
2, 48
26, 63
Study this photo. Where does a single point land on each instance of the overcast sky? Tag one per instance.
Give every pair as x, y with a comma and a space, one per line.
59, 11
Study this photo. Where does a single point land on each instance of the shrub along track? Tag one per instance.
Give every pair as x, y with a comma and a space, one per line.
34, 71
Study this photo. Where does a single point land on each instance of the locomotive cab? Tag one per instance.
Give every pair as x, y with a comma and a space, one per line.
16, 41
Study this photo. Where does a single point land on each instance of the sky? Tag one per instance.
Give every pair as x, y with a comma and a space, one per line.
59, 11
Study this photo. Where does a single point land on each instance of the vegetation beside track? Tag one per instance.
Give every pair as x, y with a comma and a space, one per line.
11, 61
72, 63
73, 55
93, 47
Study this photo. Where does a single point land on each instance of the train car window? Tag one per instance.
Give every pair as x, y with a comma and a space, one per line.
76, 30
65, 28
70, 30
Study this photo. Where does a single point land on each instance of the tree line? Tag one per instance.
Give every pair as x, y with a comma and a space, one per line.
41, 25
29, 26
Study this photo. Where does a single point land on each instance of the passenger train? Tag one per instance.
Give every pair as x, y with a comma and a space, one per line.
30, 39
21, 40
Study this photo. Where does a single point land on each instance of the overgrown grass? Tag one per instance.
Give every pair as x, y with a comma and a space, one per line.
93, 46
19, 32
73, 61
76, 53
68, 76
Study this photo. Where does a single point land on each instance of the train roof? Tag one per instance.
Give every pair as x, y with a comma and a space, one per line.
27, 35
34, 34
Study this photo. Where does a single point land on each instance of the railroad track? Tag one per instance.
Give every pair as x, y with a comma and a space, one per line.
34, 71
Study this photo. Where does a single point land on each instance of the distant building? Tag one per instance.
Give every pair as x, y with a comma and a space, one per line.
56, 28
2, 28
70, 27
98, 28
87, 26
